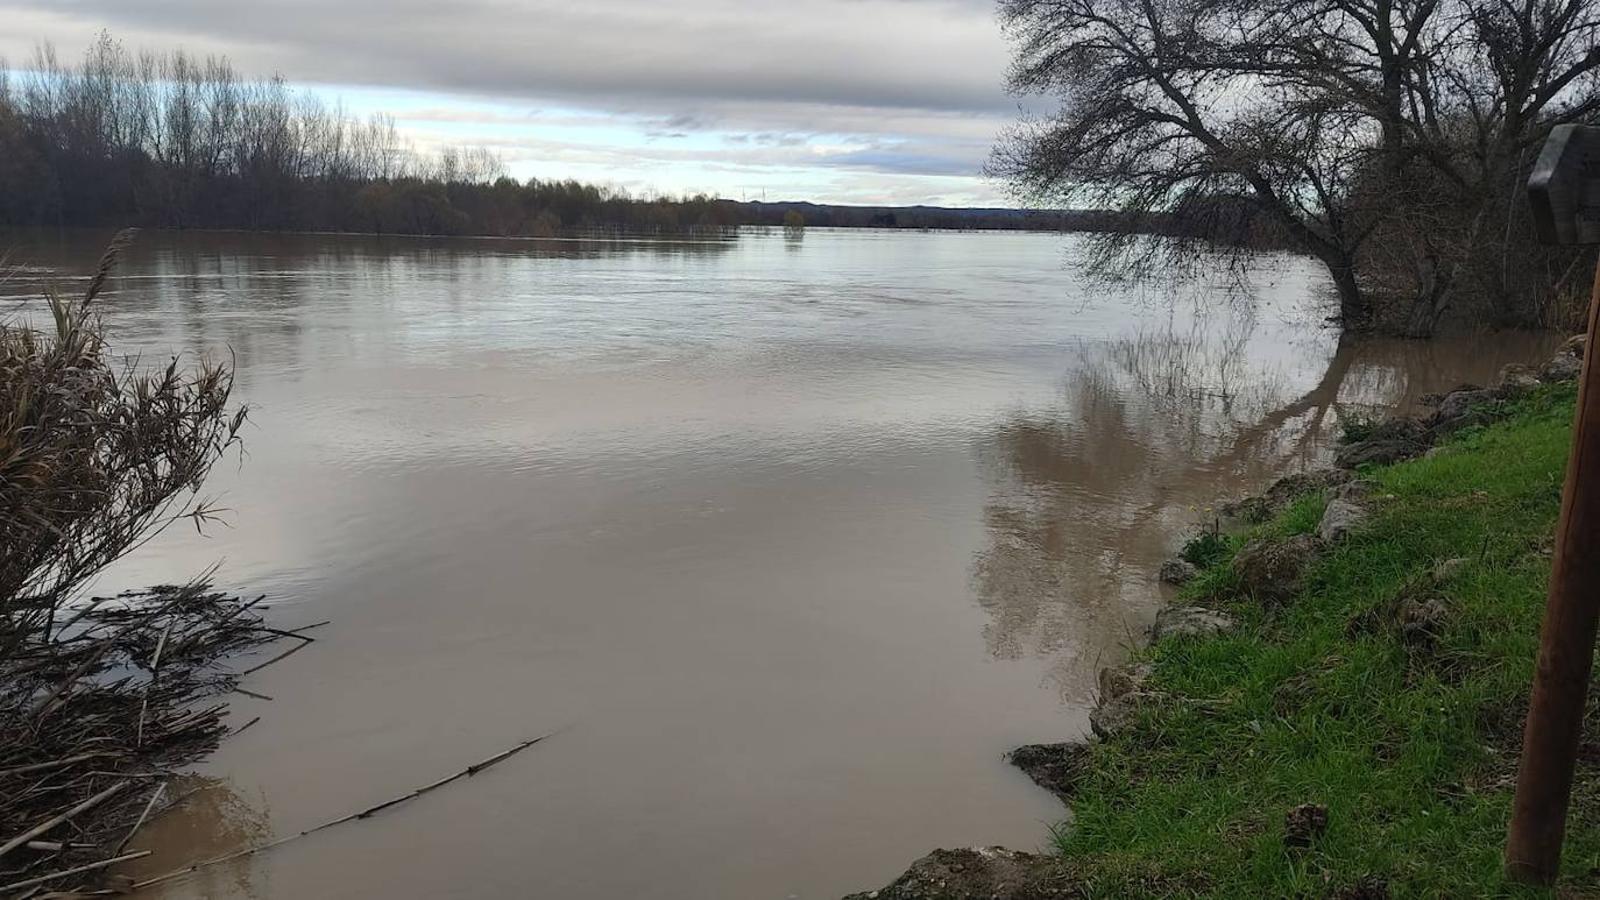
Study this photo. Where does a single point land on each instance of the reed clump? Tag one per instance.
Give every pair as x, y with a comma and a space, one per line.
101, 698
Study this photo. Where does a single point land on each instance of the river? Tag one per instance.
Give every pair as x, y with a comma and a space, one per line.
790, 537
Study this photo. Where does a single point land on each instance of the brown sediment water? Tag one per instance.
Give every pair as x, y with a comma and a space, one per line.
794, 536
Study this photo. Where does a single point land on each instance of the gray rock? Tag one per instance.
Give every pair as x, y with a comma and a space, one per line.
1178, 571
1353, 491
1516, 378
1175, 621
1377, 452
1401, 429
1432, 399
1478, 416
1283, 492
1561, 367
1292, 487
1459, 404
1270, 570
1054, 767
1339, 519
1120, 681
1450, 568
1113, 716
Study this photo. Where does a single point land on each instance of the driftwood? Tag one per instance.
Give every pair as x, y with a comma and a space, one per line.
50, 823
56, 763
155, 673
115, 698
75, 870
468, 772
145, 814
284, 655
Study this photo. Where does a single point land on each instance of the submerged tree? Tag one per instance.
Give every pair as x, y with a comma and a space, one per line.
1162, 118
1387, 138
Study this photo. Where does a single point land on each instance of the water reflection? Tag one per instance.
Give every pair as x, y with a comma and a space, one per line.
1089, 495
755, 517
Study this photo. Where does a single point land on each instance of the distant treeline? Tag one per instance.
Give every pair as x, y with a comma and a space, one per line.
763, 213
177, 141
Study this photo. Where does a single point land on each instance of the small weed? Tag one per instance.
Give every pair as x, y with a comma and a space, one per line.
1356, 426
1207, 548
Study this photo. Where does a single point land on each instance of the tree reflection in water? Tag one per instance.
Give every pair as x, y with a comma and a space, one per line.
1149, 433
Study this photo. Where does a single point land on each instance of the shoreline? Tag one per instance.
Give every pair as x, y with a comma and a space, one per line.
1279, 545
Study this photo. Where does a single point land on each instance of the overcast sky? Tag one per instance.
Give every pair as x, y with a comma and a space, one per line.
853, 101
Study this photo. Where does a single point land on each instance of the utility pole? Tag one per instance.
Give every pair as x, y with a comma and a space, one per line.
1564, 192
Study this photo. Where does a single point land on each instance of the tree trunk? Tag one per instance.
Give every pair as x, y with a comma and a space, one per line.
1354, 313
1433, 290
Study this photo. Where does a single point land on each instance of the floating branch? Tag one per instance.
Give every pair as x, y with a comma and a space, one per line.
468, 772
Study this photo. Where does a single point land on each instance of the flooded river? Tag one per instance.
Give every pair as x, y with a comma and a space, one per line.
791, 538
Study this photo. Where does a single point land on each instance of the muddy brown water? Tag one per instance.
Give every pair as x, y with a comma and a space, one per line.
793, 538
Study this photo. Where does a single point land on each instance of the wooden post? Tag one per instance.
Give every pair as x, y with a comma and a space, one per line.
1566, 647
1564, 195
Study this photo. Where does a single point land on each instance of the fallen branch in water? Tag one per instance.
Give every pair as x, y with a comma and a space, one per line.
75, 870
115, 700
285, 654
468, 772
50, 823
155, 795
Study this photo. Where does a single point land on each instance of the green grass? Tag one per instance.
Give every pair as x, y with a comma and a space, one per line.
1208, 547
1411, 747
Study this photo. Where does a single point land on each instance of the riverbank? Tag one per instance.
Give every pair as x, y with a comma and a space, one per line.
1333, 706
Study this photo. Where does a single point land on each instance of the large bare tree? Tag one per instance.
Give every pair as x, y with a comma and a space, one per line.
1387, 138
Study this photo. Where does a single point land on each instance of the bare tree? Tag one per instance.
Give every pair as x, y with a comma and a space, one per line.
1164, 116
1387, 138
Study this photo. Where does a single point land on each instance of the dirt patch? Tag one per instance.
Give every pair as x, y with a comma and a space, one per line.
1304, 824
994, 873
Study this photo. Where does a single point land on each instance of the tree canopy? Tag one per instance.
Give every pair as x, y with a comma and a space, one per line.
1390, 139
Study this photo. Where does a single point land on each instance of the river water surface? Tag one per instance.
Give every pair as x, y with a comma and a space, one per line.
791, 538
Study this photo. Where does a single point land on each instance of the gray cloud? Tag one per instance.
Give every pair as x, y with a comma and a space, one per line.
629, 54
917, 83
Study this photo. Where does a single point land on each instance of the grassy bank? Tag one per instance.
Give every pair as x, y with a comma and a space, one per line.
1403, 725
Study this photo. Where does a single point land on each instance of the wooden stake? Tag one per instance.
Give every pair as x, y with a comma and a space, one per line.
1566, 647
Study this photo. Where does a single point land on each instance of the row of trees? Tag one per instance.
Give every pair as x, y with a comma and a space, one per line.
172, 140
175, 141
1390, 139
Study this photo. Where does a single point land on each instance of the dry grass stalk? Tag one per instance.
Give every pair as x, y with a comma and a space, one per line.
96, 457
